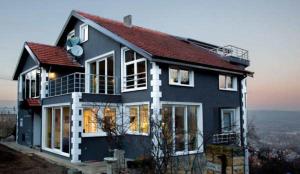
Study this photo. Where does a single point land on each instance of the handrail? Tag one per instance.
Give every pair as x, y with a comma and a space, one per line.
233, 51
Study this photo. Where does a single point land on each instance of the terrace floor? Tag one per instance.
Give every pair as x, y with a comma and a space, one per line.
17, 158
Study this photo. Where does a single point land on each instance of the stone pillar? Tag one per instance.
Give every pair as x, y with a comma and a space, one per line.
245, 129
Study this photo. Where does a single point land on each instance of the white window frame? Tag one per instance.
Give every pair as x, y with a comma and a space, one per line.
234, 83
127, 117
99, 132
84, 36
191, 77
29, 92
88, 68
123, 72
235, 120
199, 125
45, 123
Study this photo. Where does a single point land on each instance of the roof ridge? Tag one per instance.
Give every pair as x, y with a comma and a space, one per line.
121, 23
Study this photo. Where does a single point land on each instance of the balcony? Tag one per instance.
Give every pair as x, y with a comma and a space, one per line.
233, 54
76, 82
228, 138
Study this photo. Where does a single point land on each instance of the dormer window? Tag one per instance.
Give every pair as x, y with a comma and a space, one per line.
83, 33
181, 77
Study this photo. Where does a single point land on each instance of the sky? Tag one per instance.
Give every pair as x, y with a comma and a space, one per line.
270, 30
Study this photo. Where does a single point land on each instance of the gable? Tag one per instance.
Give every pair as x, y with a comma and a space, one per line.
26, 62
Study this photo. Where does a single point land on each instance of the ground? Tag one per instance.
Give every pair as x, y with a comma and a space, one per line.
13, 162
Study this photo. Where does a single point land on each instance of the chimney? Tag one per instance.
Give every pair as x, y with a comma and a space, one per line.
127, 20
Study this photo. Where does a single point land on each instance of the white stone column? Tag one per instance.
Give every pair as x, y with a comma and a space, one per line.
76, 129
245, 129
44, 83
156, 94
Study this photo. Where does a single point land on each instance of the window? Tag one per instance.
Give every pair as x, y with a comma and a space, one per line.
184, 122
229, 121
57, 129
181, 77
84, 33
134, 71
227, 82
31, 84
93, 124
138, 118
101, 78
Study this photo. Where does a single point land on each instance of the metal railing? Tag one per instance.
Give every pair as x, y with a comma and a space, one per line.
98, 84
135, 80
226, 138
233, 51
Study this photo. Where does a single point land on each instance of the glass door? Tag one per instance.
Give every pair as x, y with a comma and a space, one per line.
102, 76
57, 128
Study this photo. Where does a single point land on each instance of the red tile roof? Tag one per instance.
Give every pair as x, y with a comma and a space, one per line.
162, 44
33, 102
52, 55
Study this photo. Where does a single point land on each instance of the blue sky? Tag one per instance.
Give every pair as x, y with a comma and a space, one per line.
270, 30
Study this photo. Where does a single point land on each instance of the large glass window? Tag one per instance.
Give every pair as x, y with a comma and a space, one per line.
181, 77
186, 132
109, 118
57, 130
227, 82
90, 120
32, 84
135, 71
139, 118
101, 76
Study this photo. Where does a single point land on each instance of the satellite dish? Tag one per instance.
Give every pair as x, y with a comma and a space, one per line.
76, 51
73, 41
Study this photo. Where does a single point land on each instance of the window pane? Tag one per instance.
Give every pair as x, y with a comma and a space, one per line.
167, 124
33, 83
141, 71
227, 117
101, 76
179, 128
133, 115
57, 124
93, 77
229, 83
192, 128
109, 118
222, 84
138, 56
90, 120
144, 119
66, 130
130, 76
173, 75
129, 56
184, 77
37, 77
49, 128
27, 85
110, 73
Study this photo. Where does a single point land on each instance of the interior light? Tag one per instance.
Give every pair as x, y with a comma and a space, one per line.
52, 75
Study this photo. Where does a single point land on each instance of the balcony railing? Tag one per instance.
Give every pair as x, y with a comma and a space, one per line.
232, 51
76, 82
226, 138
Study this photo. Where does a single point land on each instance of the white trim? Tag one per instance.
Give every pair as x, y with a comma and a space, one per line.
232, 119
82, 27
123, 71
245, 129
56, 151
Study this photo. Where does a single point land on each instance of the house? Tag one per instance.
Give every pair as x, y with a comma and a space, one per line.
140, 72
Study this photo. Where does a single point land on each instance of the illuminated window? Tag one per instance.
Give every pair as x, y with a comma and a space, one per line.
181, 77
227, 82
139, 118
90, 120
109, 118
